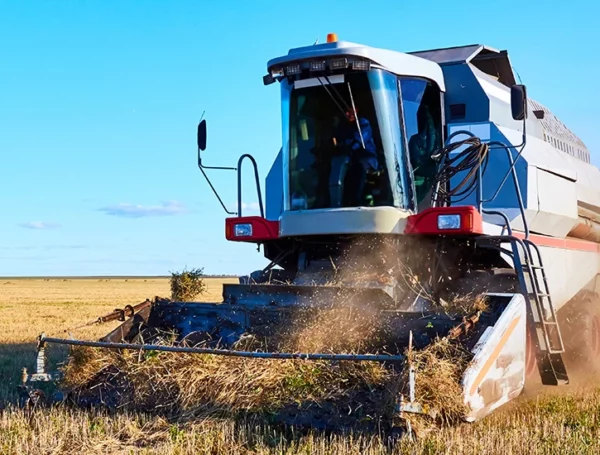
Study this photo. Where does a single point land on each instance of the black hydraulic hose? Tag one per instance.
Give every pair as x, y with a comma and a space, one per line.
472, 160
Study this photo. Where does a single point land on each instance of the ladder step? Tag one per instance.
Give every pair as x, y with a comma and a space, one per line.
552, 367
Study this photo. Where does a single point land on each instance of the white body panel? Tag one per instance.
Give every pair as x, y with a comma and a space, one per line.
497, 373
569, 272
381, 220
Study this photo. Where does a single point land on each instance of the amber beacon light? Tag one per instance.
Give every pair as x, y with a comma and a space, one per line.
331, 37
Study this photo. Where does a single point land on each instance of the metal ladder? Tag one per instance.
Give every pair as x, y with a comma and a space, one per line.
541, 314
543, 319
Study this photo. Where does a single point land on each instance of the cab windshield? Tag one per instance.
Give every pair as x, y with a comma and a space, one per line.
338, 156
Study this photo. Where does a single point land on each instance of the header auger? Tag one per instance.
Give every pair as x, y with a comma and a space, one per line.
406, 182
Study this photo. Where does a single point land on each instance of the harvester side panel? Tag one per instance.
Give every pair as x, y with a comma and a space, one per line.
549, 198
569, 270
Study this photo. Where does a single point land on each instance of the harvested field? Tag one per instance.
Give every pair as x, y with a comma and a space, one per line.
566, 423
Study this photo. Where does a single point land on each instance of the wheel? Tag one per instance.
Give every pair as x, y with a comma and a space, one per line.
580, 328
533, 380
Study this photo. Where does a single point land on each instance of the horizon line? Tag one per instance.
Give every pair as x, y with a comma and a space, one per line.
75, 277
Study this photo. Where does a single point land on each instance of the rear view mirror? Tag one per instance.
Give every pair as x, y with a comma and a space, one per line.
518, 102
202, 135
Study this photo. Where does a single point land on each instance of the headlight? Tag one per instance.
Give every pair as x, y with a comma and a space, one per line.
338, 63
243, 230
361, 65
317, 65
448, 222
293, 69
277, 72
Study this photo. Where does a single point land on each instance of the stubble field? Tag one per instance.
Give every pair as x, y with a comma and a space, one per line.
565, 422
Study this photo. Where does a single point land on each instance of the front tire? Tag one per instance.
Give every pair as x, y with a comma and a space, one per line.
580, 327
533, 380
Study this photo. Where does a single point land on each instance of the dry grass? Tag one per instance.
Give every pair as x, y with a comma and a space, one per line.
188, 285
213, 385
465, 304
31, 306
568, 423
28, 307
558, 425
439, 368
334, 392
201, 385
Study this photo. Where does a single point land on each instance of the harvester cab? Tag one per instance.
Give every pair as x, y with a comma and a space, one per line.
362, 163
413, 199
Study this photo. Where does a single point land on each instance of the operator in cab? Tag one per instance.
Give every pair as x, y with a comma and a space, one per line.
422, 146
342, 162
358, 141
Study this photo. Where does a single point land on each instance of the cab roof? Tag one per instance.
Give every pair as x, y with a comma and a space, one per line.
395, 62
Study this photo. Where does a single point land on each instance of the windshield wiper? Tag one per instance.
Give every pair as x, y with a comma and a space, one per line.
346, 108
362, 141
341, 99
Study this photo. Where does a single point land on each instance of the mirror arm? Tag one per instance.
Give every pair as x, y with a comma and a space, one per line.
215, 191
525, 108
202, 167
524, 140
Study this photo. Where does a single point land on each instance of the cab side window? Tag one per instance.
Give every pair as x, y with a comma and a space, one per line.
423, 119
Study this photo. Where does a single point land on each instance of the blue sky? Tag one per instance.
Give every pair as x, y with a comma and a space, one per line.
99, 102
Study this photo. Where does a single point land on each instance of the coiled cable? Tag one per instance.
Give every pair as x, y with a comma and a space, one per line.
469, 160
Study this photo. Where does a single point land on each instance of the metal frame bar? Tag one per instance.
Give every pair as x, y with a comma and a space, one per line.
225, 352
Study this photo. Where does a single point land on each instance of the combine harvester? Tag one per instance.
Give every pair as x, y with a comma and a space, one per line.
474, 187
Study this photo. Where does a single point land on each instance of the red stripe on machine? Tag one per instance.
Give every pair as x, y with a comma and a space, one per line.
563, 243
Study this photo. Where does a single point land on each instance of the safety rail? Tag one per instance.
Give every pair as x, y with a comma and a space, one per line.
256, 178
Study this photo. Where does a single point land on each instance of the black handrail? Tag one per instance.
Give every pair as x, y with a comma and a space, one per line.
502, 215
512, 171
256, 177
